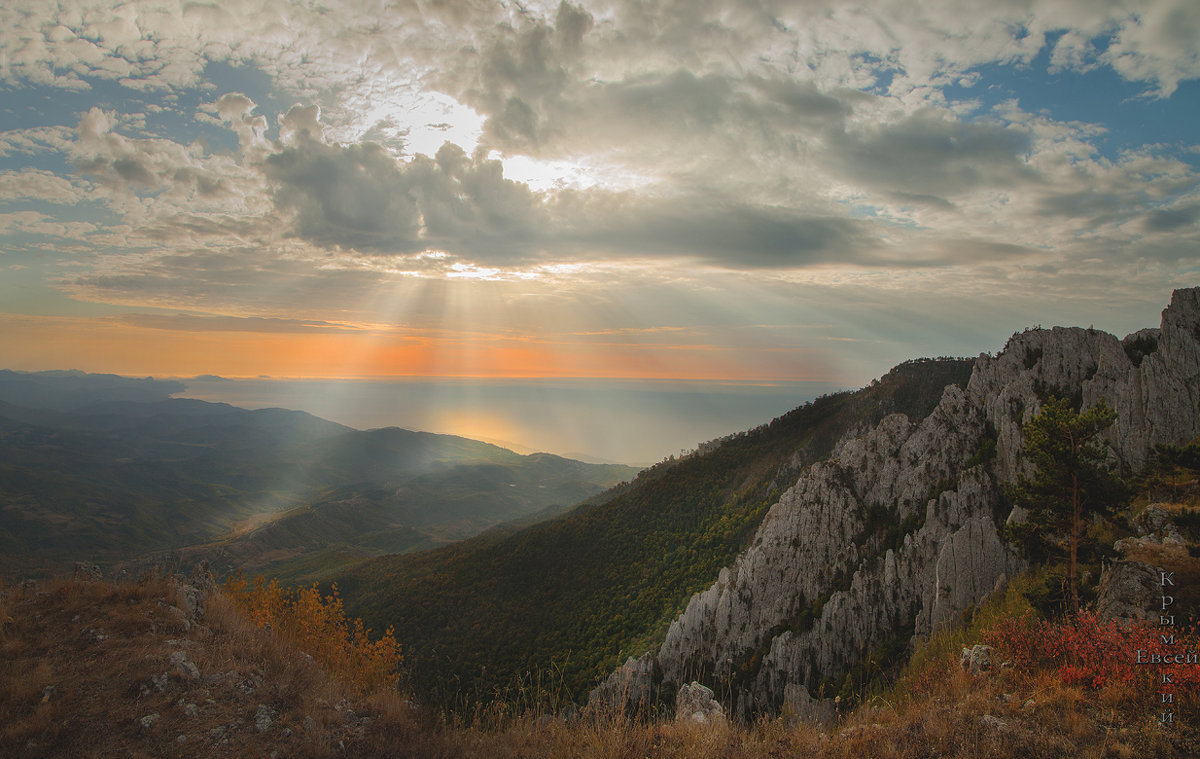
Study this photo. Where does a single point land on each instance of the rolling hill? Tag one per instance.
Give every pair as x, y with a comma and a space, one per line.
110, 469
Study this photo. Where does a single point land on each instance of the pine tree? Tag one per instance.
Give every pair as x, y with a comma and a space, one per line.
1070, 482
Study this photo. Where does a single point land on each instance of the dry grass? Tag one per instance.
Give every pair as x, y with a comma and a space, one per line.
81, 664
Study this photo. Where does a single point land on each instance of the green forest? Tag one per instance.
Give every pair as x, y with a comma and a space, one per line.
569, 599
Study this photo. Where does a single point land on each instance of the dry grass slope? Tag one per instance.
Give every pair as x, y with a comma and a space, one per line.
90, 669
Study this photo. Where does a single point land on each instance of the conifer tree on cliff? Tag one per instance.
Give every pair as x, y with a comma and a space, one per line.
1070, 482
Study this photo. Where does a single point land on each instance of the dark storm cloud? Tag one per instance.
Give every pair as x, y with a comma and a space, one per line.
1171, 219
360, 197
929, 153
665, 107
732, 234
1098, 205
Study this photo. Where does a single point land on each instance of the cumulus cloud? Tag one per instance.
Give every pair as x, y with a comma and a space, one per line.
125, 164
361, 197
1160, 44
515, 61
522, 73
39, 184
35, 140
766, 136
237, 110
32, 222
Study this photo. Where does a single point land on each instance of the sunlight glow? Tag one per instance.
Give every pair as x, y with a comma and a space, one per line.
545, 176
462, 270
472, 422
423, 121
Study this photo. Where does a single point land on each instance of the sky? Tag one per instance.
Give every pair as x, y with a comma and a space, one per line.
758, 199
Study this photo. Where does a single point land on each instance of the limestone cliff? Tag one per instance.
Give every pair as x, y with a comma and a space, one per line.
896, 532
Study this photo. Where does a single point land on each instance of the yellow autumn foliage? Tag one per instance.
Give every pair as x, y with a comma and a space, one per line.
318, 625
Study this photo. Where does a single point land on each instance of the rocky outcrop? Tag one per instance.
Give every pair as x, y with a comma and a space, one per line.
88, 572
800, 706
1128, 590
896, 533
184, 665
202, 577
1132, 589
633, 686
695, 703
1155, 525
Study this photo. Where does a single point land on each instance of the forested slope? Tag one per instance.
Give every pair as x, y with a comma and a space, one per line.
577, 594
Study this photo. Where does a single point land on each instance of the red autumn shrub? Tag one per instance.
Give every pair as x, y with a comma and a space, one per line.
1087, 652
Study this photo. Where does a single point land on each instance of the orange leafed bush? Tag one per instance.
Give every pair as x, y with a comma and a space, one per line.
318, 625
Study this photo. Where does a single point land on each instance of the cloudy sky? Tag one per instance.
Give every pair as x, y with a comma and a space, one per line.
743, 191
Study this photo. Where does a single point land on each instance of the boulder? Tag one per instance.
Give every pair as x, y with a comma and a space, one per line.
1156, 524
184, 665
977, 659
88, 572
630, 687
264, 716
695, 703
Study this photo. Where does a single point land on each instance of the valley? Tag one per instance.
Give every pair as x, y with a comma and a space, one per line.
108, 469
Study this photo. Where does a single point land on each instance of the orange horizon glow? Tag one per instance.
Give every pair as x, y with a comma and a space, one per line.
37, 343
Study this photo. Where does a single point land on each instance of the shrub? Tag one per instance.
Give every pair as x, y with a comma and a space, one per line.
1084, 651
318, 625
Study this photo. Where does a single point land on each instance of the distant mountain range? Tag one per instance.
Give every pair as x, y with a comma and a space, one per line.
109, 469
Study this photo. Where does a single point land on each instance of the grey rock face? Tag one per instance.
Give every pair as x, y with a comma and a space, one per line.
896, 533
633, 686
695, 703
800, 706
1155, 525
1128, 589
